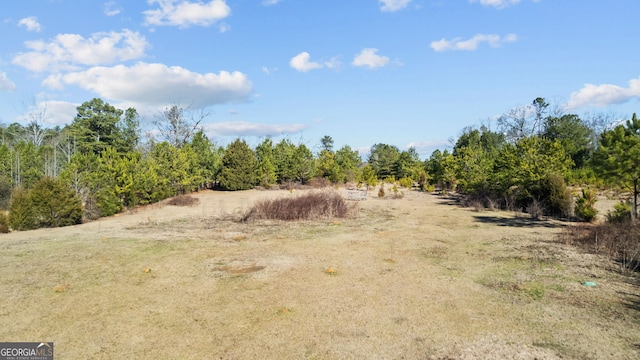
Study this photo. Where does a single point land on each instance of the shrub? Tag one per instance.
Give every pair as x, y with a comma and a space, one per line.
554, 195
4, 222
621, 213
308, 206
183, 200
21, 211
619, 240
536, 209
55, 205
47, 204
319, 182
381, 190
585, 205
406, 182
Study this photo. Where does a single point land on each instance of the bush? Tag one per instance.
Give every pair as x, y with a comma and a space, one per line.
536, 209
406, 182
183, 200
554, 196
621, 213
55, 205
319, 182
4, 222
619, 240
47, 204
381, 190
585, 205
21, 211
308, 206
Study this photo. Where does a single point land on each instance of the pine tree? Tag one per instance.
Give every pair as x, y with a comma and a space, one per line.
238, 167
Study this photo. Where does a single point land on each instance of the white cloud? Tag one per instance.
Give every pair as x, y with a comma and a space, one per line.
56, 112
428, 147
393, 5
244, 128
498, 4
370, 59
67, 51
31, 23
5, 83
111, 8
158, 84
301, 62
472, 44
183, 13
604, 95
224, 27
270, 2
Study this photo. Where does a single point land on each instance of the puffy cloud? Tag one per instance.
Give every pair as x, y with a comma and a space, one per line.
604, 95
393, 5
499, 4
472, 44
243, 128
55, 112
67, 51
370, 59
5, 83
158, 84
111, 8
31, 23
301, 62
183, 13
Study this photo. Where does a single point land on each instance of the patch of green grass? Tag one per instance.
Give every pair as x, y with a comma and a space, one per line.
534, 289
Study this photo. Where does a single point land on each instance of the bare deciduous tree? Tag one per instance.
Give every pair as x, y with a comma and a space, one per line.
178, 125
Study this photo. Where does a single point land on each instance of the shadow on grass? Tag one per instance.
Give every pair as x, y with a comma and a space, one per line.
518, 222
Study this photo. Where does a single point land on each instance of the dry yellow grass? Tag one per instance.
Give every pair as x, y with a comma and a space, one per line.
416, 278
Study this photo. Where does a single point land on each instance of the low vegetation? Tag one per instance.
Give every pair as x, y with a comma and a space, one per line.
308, 206
618, 239
183, 200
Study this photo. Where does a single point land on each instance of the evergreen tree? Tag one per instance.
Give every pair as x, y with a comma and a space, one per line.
618, 157
238, 167
95, 127
54, 204
266, 169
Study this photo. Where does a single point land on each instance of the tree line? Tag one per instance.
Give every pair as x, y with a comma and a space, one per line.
98, 165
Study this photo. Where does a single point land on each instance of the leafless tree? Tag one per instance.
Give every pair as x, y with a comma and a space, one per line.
177, 125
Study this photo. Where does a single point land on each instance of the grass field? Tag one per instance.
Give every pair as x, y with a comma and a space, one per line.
411, 278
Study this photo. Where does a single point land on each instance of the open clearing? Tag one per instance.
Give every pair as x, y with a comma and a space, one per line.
411, 278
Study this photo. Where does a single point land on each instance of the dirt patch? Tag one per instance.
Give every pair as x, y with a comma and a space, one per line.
413, 278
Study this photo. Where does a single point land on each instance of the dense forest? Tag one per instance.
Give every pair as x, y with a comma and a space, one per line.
98, 165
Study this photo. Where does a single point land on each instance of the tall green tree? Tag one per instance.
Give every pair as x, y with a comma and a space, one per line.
408, 164
95, 127
266, 168
383, 158
618, 157
573, 134
349, 161
283, 154
238, 170
205, 158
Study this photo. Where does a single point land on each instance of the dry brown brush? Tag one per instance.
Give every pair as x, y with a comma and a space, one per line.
307, 206
619, 240
183, 200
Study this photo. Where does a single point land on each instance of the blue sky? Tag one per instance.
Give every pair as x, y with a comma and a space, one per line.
401, 72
